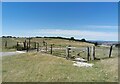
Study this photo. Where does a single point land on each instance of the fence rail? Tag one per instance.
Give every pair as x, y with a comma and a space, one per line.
68, 52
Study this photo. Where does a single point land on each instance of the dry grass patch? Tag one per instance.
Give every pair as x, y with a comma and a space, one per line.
39, 67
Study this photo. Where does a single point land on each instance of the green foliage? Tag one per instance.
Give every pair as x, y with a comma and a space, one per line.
83, 40
96, 44
72, 38
117, 45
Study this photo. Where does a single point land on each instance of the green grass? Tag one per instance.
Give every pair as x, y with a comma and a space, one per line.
8, 50
57, 42
100, 52
39, 67
0, 61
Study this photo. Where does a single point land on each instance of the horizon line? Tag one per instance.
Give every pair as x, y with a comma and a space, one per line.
53, 36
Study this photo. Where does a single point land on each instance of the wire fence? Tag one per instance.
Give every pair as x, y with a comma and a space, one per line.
86, 52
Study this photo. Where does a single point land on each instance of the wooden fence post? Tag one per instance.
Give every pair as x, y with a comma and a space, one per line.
91, 55
37, 47
93, 52
25, 44
27, 47
43, 43
46, 47
110, 52
51, 49
5, 44
67, 52
88, 54
17, 45
29, 43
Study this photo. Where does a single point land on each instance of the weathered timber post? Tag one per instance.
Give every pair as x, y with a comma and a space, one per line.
46, 47
37, 47
88, 53
60, 50
24, 44
5, 44
29, 43
51, 49
34, 45
27, 47
43, 43
93, 52
67, 52
110, 52
17, 45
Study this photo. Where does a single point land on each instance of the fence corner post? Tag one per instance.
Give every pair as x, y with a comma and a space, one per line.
5, 44
17, 45
51, 49
110, 51
27, 47
88, 53
94, 53
67, 52
46, 47
37, 47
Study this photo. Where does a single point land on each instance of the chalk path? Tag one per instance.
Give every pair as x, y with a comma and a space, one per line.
10, 53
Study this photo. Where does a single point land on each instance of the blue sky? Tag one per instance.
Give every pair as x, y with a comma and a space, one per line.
89, 20
60, 0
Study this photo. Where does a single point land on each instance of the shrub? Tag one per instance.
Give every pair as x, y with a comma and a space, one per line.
96, 44
72, 38
83, 40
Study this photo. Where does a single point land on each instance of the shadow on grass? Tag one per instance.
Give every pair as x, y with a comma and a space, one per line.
107, 58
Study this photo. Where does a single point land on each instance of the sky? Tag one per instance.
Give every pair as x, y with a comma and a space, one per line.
60, 0
89, 20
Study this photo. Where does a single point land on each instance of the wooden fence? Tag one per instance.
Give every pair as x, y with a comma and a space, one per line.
89, 52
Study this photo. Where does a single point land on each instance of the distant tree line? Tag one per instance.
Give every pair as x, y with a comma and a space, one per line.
70, 39
117, 45
7, 37
11, 37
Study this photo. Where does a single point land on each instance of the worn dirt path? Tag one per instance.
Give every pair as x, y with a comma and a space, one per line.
10, 53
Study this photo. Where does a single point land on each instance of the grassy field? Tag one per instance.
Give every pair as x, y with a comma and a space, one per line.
57, 42
0, 69
39, 67
43, 67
